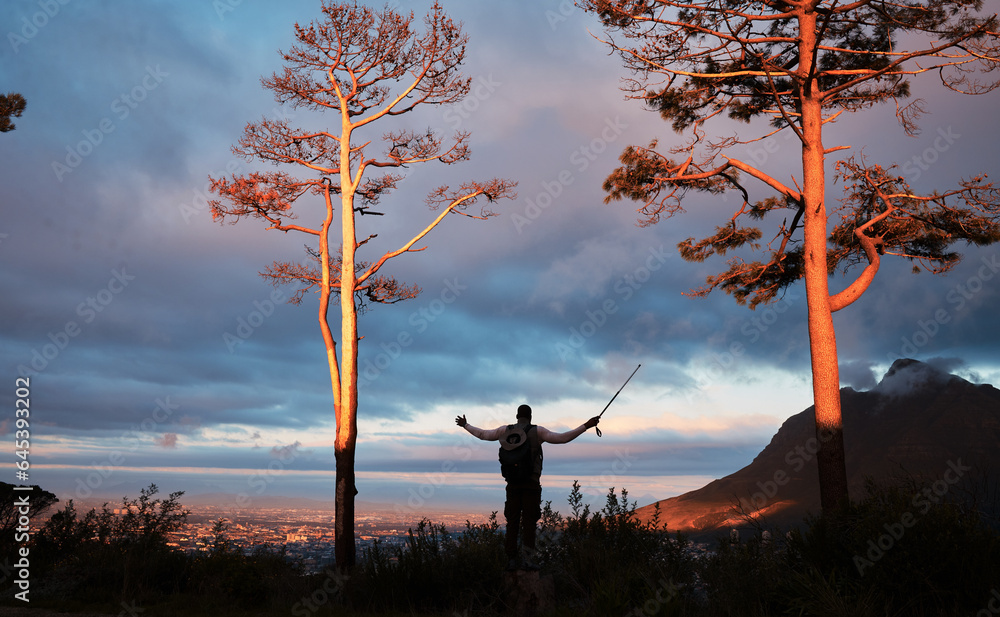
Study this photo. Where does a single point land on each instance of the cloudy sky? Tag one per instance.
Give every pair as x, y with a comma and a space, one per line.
158, 354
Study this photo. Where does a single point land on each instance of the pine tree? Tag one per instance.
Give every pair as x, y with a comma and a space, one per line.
800, 65
363, 66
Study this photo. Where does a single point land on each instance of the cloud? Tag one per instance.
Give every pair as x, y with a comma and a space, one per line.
168, 440
908, 376
947, 365
286, 453
858, 374
956, 366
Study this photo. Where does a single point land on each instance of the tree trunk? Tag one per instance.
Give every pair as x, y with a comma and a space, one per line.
347, 425
343, 530
347, 412
822, 337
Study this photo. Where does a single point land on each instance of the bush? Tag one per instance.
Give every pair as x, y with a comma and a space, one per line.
433, 570
609, 561
895, 551
107, 557
102, 559
605, 563
745, 578
889, 553
918, 551
228, 576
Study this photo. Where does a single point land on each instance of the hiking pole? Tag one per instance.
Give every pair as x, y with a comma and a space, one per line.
614, 397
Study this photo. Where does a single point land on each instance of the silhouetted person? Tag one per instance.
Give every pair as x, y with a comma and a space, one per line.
523, 507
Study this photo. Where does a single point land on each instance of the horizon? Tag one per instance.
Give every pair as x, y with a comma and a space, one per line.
157, 353
417, 494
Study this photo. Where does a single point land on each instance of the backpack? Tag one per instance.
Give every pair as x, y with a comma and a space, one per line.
519, 453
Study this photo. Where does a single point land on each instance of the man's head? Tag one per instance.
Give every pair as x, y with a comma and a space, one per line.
524, 412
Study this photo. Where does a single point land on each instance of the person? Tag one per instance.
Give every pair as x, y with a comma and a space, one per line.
523, 506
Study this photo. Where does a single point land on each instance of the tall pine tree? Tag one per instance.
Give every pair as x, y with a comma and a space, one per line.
794, 67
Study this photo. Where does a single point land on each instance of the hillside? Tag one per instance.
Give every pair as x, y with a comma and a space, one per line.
917, 421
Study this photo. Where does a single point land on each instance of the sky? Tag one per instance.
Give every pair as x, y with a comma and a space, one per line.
157, 354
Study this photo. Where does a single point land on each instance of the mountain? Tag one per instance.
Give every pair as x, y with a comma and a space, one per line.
918, 421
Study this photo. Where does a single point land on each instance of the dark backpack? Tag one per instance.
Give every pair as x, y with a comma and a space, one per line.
519, 454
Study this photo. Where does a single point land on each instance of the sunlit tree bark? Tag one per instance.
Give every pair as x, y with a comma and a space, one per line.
363, 66
799, 65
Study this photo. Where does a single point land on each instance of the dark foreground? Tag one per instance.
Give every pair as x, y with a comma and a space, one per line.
888, 555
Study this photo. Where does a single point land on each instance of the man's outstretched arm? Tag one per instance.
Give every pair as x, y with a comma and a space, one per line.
486, 435
547, 436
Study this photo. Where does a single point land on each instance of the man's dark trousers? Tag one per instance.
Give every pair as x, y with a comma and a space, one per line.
522, 510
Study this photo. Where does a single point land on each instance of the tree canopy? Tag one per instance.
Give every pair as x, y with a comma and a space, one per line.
12, 105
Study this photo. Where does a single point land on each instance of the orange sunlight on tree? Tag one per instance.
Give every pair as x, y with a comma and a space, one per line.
799, 65
363, 66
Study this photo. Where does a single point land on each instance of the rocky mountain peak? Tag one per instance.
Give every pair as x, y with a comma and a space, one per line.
917, 422
907, 376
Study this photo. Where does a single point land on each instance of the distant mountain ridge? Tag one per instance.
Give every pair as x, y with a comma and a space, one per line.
918, 421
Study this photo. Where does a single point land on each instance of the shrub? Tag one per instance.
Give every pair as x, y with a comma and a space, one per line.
259, 578
894, 551
941, 559
108, 557
609, 561
920, 552
433, 570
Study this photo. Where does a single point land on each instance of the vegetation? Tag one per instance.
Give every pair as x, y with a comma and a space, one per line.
114, 557
12, 105
39, 501
930, 558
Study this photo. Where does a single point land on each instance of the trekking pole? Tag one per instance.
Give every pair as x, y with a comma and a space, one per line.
614, 397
